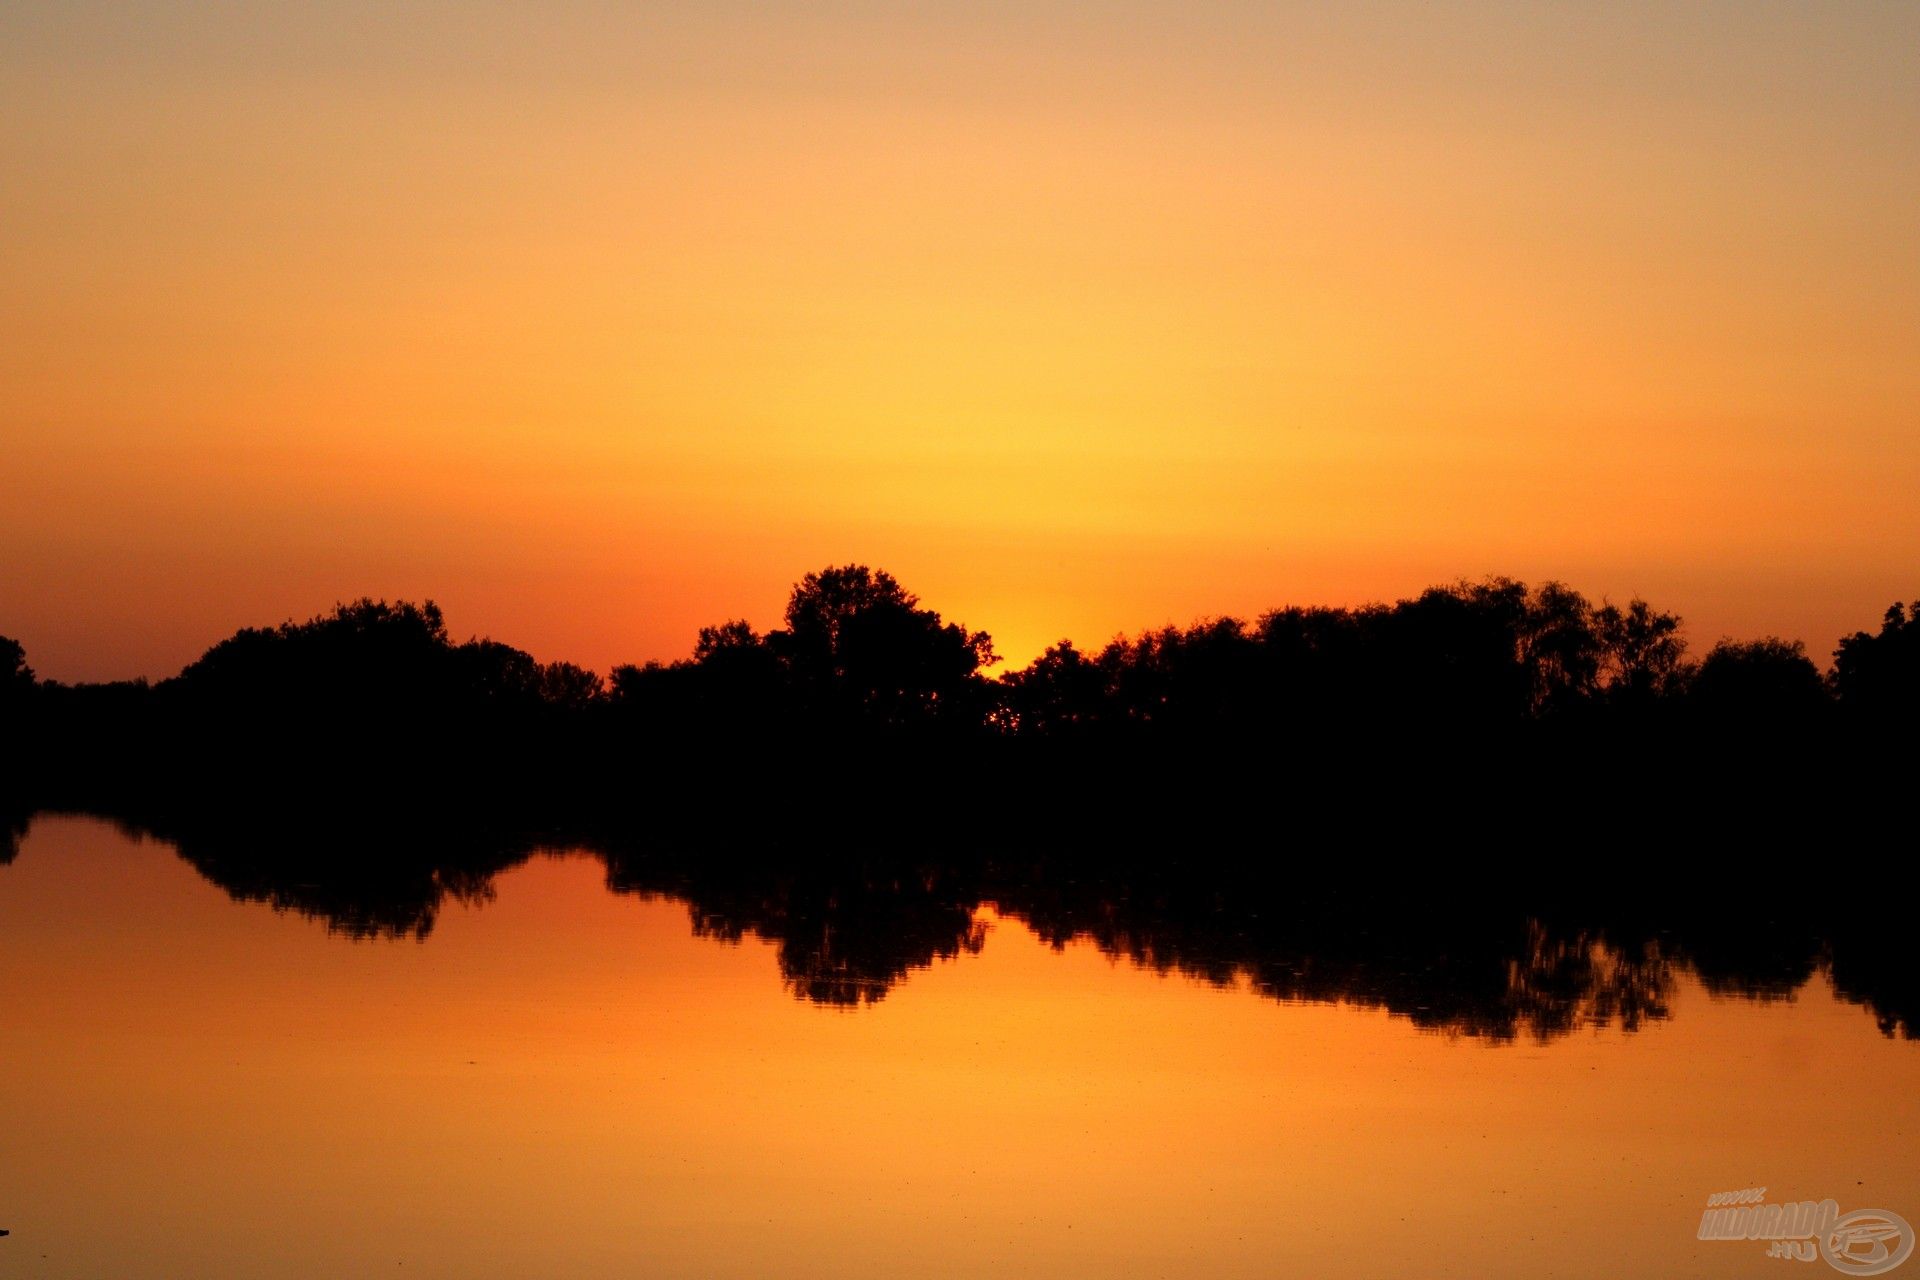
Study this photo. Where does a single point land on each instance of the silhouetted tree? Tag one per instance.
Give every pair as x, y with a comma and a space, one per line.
1643, 656
18, 702
648, 689
499, 673
859, 651
16, 677
1560, 646
1474, 656
564, 686
1451, 658
1317, 663
1190, 682
732, 689
365, 659
1877, 677
1756, 684
379, 660
741, 670
1059, 693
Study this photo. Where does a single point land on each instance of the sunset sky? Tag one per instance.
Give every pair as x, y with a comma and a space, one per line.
600, 321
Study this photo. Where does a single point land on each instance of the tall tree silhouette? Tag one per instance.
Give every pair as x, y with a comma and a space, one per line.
1560, 646
860, 651
16, 677
1643, 654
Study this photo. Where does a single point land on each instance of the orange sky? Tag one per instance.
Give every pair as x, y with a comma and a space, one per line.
597, 323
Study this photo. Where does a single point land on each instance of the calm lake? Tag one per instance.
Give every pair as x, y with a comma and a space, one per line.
557, 1079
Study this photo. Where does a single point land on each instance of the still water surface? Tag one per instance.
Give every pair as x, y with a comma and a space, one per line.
565, 1081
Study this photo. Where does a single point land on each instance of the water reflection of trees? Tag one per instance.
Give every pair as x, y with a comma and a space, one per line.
13, 827
1465, 968
362, 881
846, 933
850, 924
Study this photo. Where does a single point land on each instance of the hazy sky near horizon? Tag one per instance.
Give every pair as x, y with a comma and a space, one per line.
597, 322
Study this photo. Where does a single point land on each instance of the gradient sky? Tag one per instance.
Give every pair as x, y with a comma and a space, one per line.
597, 321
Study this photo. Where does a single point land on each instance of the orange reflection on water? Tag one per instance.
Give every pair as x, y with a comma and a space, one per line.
568, 1082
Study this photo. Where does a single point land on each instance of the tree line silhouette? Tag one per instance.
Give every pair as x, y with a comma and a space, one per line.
861, 654
1533, 689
